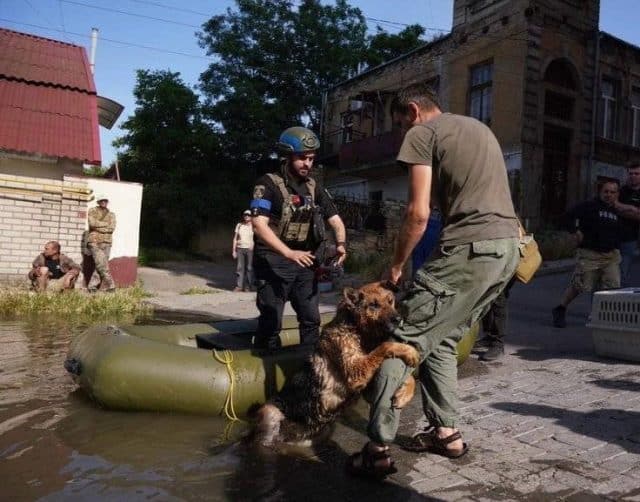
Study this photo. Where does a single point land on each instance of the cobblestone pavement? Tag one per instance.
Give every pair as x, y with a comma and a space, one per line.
549, 421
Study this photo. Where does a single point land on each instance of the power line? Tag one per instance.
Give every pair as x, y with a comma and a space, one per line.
126, 13
170, 7
129, 44
391, 24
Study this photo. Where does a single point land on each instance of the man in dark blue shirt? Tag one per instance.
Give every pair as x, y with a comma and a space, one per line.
597, 228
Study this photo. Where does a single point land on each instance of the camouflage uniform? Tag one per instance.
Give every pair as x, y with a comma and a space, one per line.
102, 223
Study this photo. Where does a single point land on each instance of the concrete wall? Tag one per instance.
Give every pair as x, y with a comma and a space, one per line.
53, 169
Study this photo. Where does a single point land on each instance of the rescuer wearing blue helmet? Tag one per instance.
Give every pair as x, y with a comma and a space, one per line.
289, 211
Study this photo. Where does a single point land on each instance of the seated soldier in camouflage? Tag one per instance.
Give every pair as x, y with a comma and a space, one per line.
52, 268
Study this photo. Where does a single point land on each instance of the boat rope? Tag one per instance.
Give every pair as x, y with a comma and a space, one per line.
226, 358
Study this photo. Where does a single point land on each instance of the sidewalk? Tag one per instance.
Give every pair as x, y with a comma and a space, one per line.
214, 282
548, 421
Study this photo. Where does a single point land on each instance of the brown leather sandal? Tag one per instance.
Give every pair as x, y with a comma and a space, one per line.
430, 442
371, 464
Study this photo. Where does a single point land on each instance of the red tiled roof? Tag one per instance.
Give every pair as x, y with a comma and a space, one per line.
48, 101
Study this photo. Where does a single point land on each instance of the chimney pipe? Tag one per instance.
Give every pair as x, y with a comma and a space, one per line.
94, 44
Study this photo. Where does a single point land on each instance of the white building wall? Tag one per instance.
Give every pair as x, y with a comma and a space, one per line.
125, 200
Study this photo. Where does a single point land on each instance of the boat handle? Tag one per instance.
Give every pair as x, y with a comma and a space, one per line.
73, 366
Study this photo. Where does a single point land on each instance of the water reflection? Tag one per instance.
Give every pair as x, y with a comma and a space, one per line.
56, 444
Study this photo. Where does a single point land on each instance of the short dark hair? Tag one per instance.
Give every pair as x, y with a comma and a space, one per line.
421, 94
633, 165
55, 244
605, 180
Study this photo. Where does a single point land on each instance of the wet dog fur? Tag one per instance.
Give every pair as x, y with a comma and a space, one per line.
348, 353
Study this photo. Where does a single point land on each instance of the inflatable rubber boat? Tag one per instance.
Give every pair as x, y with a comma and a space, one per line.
204, 368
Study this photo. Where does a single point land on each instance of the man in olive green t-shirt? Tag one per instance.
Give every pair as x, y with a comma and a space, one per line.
455, 163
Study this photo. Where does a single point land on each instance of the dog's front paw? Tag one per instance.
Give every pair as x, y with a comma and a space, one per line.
409, 355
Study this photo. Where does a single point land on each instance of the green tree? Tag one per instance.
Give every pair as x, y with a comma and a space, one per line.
176, 155
383, 46
166, 139
275, 57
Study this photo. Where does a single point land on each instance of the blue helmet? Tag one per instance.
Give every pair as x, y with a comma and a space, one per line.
298, 140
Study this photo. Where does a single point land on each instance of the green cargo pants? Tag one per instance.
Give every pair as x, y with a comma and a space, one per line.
448, 295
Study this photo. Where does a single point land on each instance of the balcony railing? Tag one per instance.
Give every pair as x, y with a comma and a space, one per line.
370, 151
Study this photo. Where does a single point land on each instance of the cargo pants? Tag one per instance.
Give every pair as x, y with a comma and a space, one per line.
448, 295
101, 275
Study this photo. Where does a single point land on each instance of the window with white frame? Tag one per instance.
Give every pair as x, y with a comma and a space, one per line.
608, 96
635, 116
480, 92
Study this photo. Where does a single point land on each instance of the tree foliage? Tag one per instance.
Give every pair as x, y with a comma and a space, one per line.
274, 61
384, 46
170, 149
166, 139
196, 155
275, 58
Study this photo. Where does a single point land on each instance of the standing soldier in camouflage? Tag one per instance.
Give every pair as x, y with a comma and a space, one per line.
102, 223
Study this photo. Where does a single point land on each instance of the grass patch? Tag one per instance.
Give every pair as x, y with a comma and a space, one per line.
195, 290
75, 304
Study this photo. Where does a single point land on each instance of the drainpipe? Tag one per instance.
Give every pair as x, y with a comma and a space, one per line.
94, 44
594, 114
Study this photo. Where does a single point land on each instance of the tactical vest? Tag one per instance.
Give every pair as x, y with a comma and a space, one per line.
298, 222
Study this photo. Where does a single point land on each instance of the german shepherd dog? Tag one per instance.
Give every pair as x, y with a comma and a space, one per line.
348, 353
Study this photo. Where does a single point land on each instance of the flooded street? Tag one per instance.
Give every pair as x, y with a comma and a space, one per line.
55, 444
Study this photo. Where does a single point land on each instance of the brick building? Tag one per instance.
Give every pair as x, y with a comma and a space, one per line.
49, 118
562, 97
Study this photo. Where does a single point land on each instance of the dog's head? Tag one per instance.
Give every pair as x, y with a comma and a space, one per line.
372, 307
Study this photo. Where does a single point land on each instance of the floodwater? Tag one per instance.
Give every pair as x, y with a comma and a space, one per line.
55, 444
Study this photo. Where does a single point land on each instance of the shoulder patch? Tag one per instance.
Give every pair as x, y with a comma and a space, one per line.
258, 191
